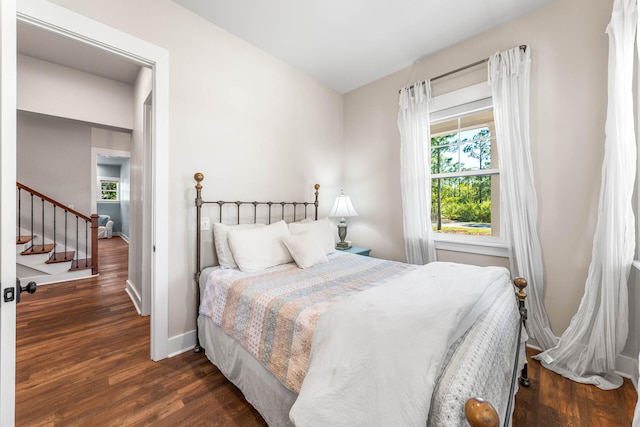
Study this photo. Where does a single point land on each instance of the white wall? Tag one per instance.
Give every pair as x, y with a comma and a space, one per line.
48, 88
568, 109
256, 127
125, 194
138, 280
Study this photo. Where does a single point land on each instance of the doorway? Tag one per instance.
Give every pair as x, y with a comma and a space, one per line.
60, 22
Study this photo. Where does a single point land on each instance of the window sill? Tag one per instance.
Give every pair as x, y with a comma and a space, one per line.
493, 246
108, 201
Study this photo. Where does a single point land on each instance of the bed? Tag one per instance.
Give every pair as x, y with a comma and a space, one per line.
315, 336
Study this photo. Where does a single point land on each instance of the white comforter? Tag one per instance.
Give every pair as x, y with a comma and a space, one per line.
375, 356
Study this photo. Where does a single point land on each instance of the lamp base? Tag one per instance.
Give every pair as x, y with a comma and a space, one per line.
343, 245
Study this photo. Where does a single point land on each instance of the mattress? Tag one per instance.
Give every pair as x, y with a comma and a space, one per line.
478, 364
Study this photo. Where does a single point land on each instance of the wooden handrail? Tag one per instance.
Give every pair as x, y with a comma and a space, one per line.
53, 202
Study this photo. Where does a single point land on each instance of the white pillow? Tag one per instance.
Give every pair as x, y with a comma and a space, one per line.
255, 249
304, 249
221, 242
321, 231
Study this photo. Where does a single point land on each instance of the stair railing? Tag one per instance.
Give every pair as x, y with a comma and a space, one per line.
90, 222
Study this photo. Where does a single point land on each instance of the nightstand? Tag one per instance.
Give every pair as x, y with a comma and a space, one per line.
357, 250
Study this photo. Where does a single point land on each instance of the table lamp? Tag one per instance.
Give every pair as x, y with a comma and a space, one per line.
342, 208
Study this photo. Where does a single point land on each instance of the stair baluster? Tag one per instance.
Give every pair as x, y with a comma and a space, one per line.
90, 246
55, 241
32, 223
66, 212
19, 213
77, 251
42, 247
86, 243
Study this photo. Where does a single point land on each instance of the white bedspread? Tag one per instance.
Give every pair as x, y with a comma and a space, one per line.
375, 356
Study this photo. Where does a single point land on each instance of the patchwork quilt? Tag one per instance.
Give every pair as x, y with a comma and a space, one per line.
273, 313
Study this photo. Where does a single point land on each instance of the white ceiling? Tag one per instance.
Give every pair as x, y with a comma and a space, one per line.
343, 43
52, 47
348, 43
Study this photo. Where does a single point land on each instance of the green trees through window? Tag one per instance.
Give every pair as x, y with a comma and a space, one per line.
464, 180
108, 189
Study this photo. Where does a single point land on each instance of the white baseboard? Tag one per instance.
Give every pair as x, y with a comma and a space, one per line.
134, 296
181, 343
628, 368
124, 237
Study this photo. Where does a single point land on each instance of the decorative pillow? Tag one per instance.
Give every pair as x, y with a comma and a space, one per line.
304, 249
221, 242
255, 249
321, 231
103, 220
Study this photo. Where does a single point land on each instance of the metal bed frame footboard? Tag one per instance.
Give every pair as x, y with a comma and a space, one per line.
269, 216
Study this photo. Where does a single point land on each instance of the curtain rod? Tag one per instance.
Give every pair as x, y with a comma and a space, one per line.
457, 70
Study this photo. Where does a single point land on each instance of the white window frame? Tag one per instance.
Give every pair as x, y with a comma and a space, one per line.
465, 101
102, 179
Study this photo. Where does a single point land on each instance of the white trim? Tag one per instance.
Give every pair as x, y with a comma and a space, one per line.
7, 209
182, 343
462, 96
124, 237
481, 245
133, 295
62, 21
475, 172
628, 367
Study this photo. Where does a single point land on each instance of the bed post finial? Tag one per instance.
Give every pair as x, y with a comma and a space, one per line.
520, 283
480, 413
198, 177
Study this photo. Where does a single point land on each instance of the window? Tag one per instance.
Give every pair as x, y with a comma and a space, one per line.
108, 189
465, 177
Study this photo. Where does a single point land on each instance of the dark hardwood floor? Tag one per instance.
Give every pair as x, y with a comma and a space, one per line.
83, 359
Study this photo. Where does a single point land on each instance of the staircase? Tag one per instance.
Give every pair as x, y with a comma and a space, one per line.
54, 242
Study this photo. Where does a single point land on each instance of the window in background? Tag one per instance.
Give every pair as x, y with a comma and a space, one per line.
465, 179
108, 190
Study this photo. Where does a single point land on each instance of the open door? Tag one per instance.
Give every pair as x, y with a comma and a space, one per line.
7, 211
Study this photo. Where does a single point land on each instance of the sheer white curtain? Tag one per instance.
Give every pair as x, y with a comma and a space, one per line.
413, 122
597, 333
509, 75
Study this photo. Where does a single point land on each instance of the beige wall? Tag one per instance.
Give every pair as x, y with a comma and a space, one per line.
568, 107
253, 125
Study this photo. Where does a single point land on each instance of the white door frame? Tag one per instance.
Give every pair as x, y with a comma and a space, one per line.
7, 209
70, 24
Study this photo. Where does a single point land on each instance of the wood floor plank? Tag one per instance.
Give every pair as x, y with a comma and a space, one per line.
83, 360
